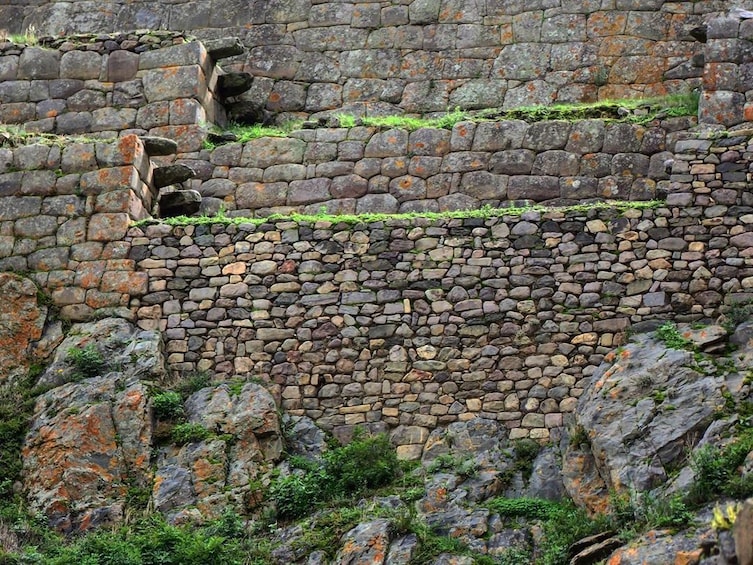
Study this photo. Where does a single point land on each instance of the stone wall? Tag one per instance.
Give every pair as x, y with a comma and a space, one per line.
728, 73
64, 215
365, 169
401, 324
111, 85
422, 56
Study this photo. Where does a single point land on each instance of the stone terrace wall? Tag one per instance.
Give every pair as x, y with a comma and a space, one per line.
408, 325
422, 55
727, 96
366, 170
404, 325
64, 213
110, 86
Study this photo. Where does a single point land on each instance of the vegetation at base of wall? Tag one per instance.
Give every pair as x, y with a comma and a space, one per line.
367, 462
483, 212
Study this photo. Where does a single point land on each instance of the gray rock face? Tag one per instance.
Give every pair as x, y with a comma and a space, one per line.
640, 409
90, 438
213, 473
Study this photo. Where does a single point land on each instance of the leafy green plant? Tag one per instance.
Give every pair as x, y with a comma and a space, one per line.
716, 470
364, 463
87, 361
168, 405
189, 433
670, 335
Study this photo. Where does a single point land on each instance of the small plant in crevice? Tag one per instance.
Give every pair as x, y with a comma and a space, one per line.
189, 433
87, 362
465, 466
526, 451
168, 405
579, 437
737, 314
671, 337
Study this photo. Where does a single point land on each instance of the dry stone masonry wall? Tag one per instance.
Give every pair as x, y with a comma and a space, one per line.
429, 170
401, 324
413, 324
421, 56
110, 85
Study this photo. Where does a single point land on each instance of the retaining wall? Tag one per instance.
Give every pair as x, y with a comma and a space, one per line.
401, 324
422, 56
490, 163
117, 85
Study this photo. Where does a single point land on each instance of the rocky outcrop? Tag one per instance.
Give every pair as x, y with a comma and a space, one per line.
244, 436
21, 322
640, 411
90, 440
93, 443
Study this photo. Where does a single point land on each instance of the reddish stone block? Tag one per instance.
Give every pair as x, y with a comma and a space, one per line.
89, 274
188, 137
186, 111
96, 299
125, 282
108, 227
114, 178
171, 83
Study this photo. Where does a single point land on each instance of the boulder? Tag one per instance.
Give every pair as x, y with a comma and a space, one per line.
21, 322
243, 439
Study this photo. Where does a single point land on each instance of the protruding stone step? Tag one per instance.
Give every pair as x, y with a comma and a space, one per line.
233, 84
247, 112
179, 203
596, 551
159, 146
224, 47
172, 174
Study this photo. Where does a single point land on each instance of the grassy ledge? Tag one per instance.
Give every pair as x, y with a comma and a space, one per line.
484, 212
637, 111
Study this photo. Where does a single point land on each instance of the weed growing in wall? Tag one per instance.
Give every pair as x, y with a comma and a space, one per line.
670, 335
484, 212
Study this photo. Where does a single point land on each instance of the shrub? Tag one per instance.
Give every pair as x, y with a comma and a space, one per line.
87, 362
168, 405
365, 463
189, 433
716, 470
